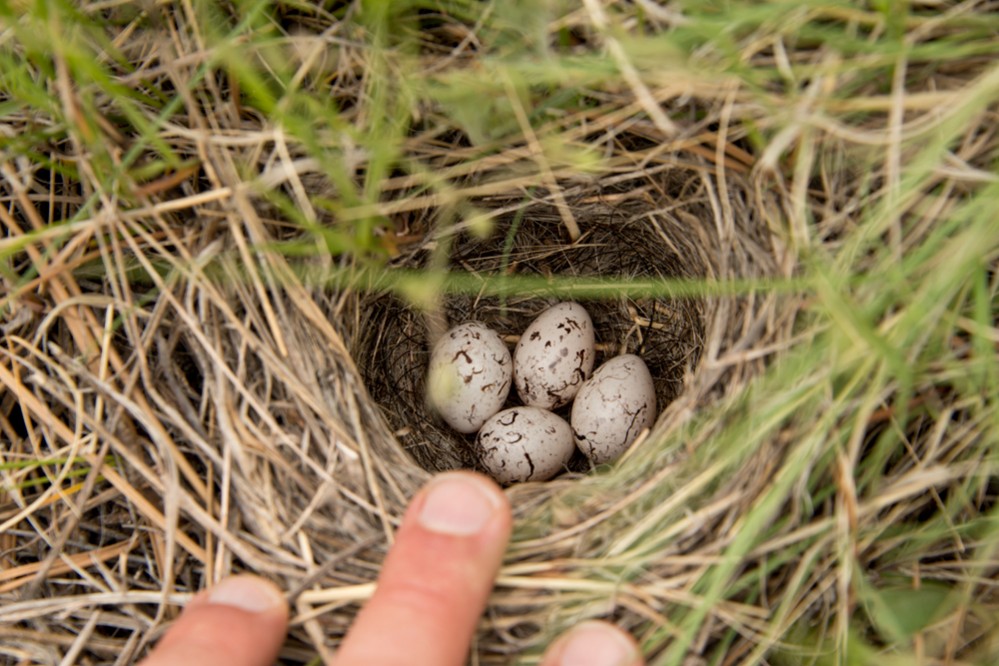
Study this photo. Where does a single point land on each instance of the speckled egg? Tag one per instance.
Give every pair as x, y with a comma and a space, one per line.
612, 407
554, 356
469, 376
524, 444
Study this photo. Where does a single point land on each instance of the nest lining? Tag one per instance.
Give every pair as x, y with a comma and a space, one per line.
615, 242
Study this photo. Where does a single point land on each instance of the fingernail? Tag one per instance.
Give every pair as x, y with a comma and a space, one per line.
597, 644
247, 593
459, 505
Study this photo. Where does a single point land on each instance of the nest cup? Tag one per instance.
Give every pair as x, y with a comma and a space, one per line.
620, 242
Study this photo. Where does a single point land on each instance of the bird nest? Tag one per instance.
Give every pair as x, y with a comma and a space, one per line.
205, 370
624, 242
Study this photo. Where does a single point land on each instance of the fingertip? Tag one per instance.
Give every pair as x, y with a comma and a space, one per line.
241, 621
436, 580
594, 643
247, 593
462, 504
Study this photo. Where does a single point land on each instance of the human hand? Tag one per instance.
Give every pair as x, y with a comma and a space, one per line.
431, 592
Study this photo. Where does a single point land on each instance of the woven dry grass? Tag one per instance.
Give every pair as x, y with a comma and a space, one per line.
186, 395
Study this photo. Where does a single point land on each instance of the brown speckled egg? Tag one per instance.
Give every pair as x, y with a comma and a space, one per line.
554, 356
469, 376
524, 444
612, 407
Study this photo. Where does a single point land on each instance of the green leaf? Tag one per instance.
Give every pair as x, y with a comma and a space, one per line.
900, 612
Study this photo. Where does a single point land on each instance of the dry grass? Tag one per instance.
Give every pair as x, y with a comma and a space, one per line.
216, 225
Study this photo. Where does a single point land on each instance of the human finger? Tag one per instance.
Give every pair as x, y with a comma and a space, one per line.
436, 579
242, 621
593, 644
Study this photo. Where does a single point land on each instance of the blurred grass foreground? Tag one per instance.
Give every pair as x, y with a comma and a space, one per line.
230, 230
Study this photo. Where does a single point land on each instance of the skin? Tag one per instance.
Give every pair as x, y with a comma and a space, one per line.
432, 590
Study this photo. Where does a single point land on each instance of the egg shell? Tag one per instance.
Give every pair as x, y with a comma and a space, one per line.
469, 376
612, 407
554, 356
525, 444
